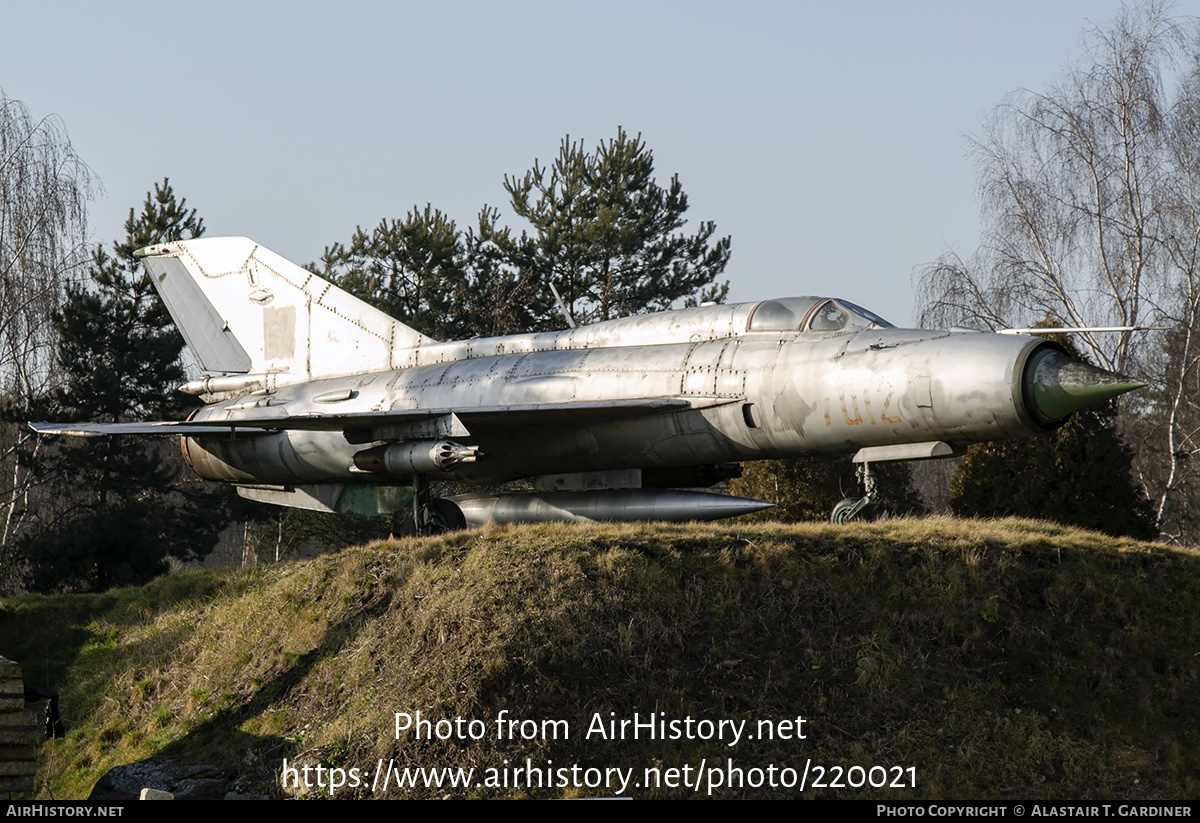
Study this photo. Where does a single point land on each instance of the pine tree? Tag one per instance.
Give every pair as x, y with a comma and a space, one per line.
609, 237
123, 505
605, 235
117, 345
410, 269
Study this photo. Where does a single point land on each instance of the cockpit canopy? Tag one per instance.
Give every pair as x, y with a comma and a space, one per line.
812, 314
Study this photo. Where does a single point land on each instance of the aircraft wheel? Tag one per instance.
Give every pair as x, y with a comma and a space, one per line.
446, 516
842, 510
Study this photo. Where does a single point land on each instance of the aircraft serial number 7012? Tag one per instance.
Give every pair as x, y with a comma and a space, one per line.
317, 400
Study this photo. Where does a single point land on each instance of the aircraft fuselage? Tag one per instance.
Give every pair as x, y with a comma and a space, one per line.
756, 395
318, 400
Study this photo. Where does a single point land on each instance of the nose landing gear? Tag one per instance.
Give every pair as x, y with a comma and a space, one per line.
860, 508
868, 507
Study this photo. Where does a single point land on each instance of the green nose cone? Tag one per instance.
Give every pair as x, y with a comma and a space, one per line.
1062, 385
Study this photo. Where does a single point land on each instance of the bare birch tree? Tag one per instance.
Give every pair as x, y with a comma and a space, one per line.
1075, 186
44, 189
1175, 414
1090, 210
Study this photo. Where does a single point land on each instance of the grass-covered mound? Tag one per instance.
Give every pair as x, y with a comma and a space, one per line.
997, 660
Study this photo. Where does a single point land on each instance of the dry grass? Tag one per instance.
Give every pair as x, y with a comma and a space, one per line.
1007, 659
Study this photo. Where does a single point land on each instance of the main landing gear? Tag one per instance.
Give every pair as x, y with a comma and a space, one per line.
427, 515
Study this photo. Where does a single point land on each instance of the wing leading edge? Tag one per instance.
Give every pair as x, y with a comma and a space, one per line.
365, 424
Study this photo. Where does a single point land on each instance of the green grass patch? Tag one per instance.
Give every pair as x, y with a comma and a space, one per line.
1007, 659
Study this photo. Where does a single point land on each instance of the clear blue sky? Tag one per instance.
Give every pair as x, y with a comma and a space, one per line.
828, 139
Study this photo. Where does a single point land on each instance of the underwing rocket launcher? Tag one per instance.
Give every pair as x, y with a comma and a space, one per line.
317, 400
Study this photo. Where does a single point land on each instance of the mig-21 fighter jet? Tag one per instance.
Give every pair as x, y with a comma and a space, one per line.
317, 400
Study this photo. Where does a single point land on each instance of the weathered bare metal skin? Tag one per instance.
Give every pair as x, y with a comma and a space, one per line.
313, 394
812, 394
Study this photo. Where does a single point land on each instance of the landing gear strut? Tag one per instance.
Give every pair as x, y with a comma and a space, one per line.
864, 508
428, 515
858, 508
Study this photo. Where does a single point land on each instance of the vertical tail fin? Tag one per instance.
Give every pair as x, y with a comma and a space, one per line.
242, 308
